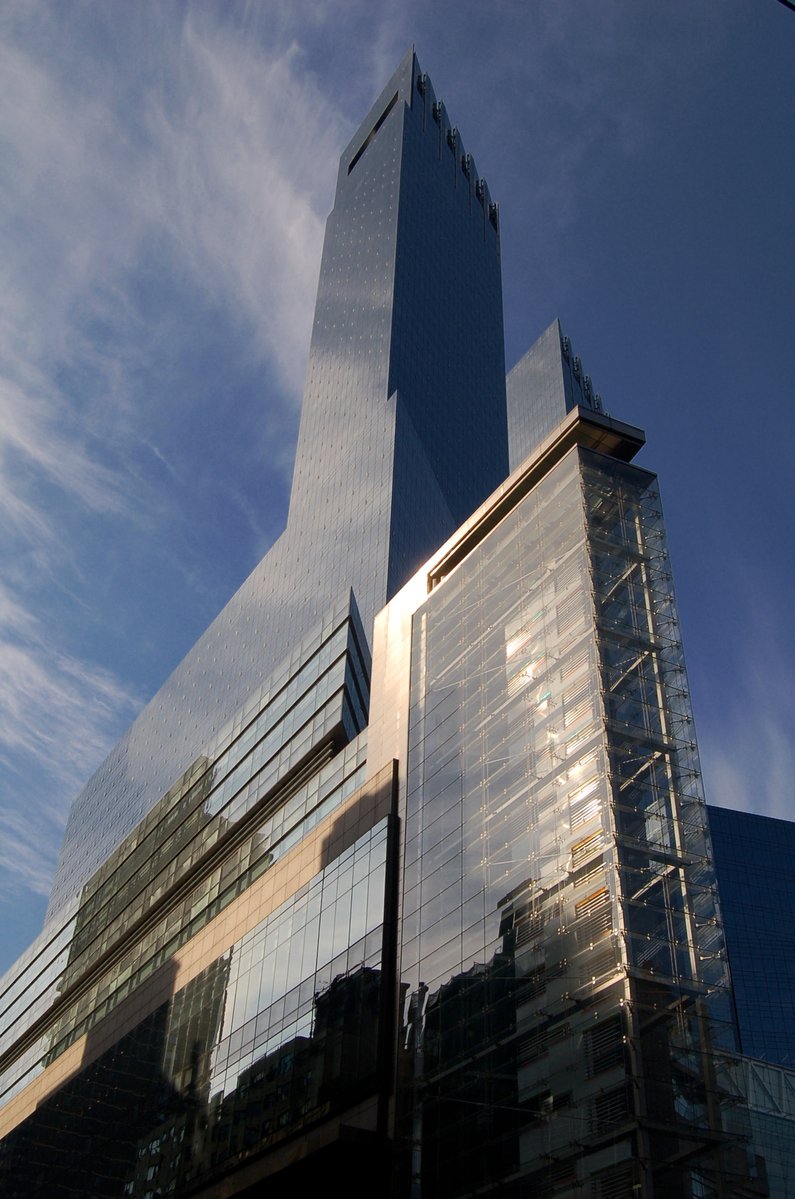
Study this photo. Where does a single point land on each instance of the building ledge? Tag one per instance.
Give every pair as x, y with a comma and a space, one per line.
582, 427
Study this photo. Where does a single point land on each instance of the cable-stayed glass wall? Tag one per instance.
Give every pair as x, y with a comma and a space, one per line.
561, 942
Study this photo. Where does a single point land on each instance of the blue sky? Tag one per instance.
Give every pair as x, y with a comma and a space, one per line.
165, 174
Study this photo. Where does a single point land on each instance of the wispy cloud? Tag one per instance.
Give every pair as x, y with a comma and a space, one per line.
239, 170
58, 717
218, 165
139, 154
34, 445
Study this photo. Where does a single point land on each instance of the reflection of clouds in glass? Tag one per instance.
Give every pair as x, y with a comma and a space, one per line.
300, 702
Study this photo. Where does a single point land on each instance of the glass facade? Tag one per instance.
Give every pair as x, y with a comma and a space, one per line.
560, 939
766, 1093
403, 432
753, 857
283, 1030
404, 877
274, 773
753, 864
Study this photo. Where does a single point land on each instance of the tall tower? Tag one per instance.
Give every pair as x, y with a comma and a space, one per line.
403, 429
403, 432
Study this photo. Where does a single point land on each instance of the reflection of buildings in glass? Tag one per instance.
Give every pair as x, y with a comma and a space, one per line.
434, 885
149, 1097
308, 1078
165, 1156
548, 736
463, 1042
175, 1097
280, 1095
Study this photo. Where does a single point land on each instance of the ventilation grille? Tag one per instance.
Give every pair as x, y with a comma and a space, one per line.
604, 1046
598, 963
540, 1041
616, 1183
610, 1109
582, 850
529, 928
595, 917
556, 1177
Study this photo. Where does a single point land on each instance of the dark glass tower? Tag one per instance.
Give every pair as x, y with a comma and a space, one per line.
754, 858
404, 877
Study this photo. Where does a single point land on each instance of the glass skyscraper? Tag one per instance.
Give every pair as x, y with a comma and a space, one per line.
404, 877
755, 860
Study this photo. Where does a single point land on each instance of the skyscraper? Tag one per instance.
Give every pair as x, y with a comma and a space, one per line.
403, 432
407, 864
753, 864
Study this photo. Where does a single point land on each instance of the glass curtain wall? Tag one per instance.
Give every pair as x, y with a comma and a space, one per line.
561, 946
286, 1029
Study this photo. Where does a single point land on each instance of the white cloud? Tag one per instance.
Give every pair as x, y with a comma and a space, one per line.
32, 442
224, 169
58, 716
239, 171
204, 157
